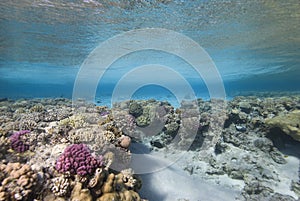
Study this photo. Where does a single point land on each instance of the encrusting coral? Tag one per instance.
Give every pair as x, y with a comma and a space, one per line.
18, 181
77, 159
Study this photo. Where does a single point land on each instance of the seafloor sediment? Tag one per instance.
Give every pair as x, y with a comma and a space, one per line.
53, 149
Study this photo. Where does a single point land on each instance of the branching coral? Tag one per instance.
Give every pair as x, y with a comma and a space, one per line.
17, 144
77, 159
60, 186
37, 108
112, 132
75, 121
18, 181
127, 178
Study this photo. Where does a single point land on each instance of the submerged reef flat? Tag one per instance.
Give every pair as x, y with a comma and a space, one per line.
56, 149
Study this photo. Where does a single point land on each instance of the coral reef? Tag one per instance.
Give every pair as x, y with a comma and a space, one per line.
17, 144
18, 182
241, 141
116, 187
77, 159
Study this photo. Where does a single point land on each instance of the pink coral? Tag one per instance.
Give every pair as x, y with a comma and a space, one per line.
77, 159
16, 143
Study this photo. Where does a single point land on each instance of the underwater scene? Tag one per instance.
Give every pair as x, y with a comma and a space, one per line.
150, 100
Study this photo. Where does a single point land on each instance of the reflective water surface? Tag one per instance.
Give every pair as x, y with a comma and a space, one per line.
255, 44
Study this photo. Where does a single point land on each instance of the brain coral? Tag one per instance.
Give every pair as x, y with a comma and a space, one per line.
77, 159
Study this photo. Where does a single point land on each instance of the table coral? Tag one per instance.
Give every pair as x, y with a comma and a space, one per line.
18, 181
17, 144
77, 159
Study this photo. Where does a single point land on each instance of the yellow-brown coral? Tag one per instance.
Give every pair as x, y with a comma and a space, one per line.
75, 121
80, 194
18, 181
97, 181
119, 187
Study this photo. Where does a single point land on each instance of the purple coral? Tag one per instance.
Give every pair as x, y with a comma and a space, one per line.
77, 159
16, 142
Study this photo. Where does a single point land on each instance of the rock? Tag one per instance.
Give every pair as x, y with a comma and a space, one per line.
277, 156
296, 187
281, 197
263, 144
157, 144
245, 107
240, 128
287, 123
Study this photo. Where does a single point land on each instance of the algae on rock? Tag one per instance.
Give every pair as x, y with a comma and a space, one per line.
287, 123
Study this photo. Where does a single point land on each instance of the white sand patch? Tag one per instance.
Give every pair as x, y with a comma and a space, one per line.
288, 172
172, 183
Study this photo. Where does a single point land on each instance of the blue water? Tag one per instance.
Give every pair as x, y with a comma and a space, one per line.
254, 44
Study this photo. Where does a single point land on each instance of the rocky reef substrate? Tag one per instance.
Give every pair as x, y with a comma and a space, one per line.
56, 149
